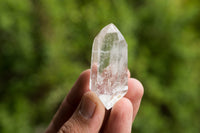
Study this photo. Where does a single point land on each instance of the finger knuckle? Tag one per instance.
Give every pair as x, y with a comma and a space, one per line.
73, 126
68, 127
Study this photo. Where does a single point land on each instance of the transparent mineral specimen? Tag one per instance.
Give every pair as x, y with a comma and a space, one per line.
108, 77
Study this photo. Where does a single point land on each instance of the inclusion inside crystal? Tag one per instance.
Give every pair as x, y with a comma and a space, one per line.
108, 77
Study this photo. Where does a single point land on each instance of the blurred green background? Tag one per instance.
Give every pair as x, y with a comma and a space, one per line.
46, 44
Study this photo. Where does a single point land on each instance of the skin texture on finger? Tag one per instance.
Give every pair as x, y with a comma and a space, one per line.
82, 122
134, 94
70, 102
120, 119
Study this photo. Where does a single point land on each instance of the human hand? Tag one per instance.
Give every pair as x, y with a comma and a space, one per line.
82, 111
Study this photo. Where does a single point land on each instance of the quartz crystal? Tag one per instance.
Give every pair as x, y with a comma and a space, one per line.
108, 76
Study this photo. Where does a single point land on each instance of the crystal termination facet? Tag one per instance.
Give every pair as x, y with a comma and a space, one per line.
108, 76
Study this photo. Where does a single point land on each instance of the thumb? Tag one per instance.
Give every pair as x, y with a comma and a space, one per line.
88, 117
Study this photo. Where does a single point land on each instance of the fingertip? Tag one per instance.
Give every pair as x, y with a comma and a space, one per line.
88, 116
84, 76
123, 107
134, 94
135, 89
94, 98
120, 119
96, 118
139, 87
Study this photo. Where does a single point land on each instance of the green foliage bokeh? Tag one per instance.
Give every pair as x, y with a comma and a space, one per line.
46, 44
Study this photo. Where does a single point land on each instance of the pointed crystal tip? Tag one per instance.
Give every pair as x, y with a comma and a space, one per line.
110, 28
108, 77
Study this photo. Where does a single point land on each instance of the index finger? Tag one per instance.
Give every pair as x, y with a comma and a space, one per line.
70, 102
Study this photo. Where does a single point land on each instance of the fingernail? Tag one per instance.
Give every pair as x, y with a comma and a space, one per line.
87, 108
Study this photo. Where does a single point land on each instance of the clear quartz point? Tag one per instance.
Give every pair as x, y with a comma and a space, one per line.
109, 76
